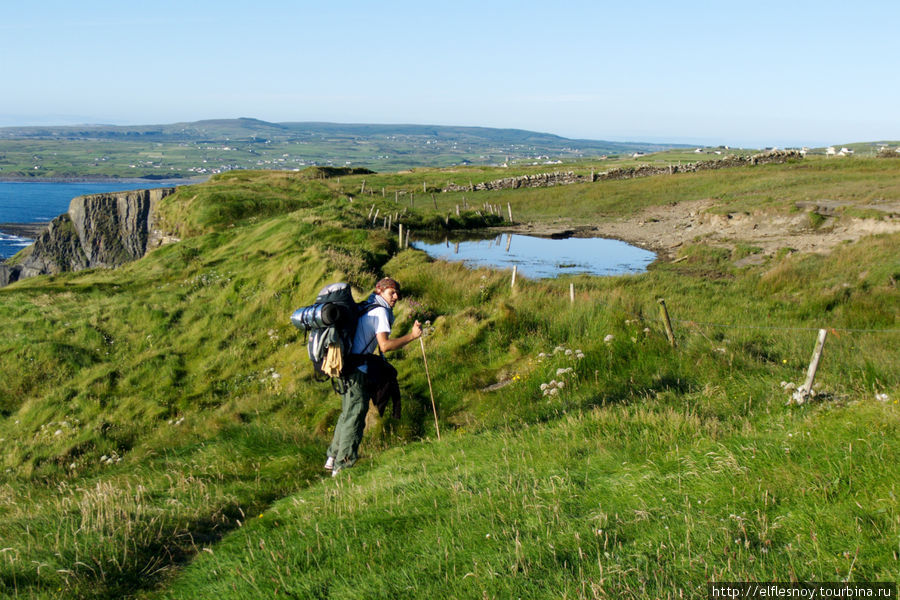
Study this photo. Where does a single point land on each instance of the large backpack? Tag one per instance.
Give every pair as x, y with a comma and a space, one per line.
331, 323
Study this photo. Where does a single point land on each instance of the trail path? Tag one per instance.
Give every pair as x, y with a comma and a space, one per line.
665, 229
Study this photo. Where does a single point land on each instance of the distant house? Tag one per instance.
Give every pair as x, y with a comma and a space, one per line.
830, 151
845, 152
637, 155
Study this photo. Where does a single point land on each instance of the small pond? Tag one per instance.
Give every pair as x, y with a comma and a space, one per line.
542, 258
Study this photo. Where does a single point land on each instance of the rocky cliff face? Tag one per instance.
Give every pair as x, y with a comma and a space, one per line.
100, 230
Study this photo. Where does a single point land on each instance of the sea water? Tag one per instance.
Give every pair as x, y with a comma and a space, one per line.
40, 202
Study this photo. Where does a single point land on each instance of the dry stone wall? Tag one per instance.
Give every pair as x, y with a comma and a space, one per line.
568, 178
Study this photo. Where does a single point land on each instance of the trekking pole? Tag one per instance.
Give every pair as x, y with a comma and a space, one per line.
430, 391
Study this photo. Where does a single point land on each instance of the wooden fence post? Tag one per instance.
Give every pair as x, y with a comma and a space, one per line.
513, 283
804, 392
572, 293
665, 317
509, 208
400, 229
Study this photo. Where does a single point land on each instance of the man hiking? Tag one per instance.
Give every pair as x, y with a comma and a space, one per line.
373, 330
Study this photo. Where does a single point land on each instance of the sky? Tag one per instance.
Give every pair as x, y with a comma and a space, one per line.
746, 74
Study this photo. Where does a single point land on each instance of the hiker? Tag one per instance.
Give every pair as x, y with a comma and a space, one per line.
372, 331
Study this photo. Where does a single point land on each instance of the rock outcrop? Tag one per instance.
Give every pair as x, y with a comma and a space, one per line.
100, 230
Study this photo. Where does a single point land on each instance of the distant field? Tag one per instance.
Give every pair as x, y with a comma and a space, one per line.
210, 147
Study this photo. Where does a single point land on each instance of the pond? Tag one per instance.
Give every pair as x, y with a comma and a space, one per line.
542, 258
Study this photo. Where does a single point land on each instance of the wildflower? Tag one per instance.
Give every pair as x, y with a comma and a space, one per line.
609, 338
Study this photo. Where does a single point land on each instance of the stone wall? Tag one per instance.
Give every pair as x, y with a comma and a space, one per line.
557, 178
100, 230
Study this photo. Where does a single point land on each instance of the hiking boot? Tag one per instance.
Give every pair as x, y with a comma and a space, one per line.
329, 464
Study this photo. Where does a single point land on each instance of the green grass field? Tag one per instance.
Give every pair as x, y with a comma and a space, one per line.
163, 435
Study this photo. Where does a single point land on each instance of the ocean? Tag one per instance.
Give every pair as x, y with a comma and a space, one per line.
39, 202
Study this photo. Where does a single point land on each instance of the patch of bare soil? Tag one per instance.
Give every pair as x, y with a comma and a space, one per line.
664, 229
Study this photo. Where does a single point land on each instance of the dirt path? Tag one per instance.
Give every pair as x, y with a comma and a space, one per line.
666, 228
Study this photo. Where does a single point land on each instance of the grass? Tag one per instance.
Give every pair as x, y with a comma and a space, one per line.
163, 435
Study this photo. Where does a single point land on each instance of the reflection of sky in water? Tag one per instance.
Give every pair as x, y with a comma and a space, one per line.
541, 258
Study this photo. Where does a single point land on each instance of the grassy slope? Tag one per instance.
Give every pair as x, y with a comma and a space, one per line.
651, 472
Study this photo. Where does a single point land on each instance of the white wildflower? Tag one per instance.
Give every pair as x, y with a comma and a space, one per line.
609, 338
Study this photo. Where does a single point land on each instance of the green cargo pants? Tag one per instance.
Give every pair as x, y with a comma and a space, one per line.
348, 431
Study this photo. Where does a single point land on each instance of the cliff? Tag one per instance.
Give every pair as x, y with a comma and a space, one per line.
99, 230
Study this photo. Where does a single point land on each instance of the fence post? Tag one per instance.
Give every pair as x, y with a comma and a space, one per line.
572, 293
805, 391
513, 283
375, 218
664, 313
509, 208
400, 230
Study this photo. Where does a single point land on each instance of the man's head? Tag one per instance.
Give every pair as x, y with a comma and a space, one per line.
388, 289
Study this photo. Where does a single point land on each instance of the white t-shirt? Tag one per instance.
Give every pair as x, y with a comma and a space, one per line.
370, 324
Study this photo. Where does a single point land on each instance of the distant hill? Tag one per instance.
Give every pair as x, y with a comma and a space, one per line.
214, 146
255, 130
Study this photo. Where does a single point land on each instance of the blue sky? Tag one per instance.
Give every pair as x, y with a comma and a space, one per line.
748, 74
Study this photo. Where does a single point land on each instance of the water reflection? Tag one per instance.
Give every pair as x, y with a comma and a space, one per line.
541, 258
